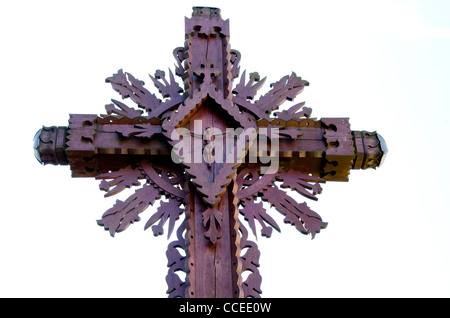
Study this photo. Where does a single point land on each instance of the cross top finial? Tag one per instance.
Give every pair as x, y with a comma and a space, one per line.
206, 11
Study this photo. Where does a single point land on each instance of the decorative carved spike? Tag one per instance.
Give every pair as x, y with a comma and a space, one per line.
124, 213
121, 179
128, 86
300, 215
285, 89
298, 181
166, 211
255, 211
249, 90
168, 179
250, 262
167, 90
123, 110
293, 113
251, 182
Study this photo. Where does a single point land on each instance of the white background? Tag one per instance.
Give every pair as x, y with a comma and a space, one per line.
383, 63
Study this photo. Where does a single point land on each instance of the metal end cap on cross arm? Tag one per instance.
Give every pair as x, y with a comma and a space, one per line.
49, 145
370, 149
384, 149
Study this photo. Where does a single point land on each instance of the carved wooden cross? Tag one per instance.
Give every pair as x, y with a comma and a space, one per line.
214, 153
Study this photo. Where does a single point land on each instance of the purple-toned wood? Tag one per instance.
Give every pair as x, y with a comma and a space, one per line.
133, 147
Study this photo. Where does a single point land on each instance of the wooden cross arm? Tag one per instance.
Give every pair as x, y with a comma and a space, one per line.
92, 145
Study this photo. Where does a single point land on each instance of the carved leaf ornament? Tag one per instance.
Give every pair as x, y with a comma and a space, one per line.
251, 184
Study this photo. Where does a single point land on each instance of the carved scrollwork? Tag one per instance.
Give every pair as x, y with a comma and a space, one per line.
168, 178
159, 181
251, 287
176, 287
252, 184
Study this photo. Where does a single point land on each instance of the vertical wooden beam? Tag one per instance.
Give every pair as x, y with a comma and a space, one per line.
212, 267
